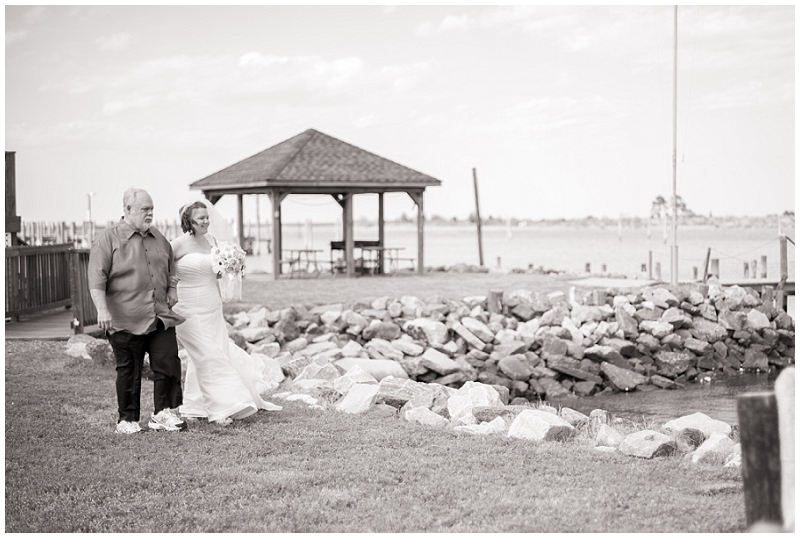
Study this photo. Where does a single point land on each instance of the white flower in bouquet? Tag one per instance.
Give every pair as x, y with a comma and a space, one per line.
228, 262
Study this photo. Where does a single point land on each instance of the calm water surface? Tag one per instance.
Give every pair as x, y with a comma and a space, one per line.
716, 399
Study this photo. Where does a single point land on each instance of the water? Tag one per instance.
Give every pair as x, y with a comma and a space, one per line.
563, 247
716, 399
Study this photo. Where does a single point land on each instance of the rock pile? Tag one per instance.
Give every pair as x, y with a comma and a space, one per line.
481, 409
535, 346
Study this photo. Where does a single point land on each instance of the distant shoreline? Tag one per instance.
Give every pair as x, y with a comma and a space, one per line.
787, 223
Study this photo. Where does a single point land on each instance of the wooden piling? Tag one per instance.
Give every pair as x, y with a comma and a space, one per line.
705, 265
650, 265
763, 267
784, 259
746, 270
754, 268
658, 271
495, 302
761, 458
588, 267
715, 267
694, 273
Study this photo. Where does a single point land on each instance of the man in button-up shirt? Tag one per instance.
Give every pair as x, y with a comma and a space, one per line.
133, 285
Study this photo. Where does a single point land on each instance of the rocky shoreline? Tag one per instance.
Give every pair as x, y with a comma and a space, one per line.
488, 364
536, 346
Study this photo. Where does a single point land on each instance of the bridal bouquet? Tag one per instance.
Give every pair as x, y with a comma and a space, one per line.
228, 262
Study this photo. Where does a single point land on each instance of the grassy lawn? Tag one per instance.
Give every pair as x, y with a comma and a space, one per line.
301, 470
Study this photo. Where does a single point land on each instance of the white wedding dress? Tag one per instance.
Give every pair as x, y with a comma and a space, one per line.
222, 380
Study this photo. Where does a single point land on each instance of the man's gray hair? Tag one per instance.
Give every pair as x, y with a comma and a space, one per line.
131, 195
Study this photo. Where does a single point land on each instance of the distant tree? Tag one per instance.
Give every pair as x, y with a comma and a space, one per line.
661, 208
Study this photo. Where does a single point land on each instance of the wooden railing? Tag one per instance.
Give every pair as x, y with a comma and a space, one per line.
37, 279
48, 277
82, 304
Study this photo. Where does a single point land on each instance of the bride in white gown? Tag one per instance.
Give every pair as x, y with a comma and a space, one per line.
223, 382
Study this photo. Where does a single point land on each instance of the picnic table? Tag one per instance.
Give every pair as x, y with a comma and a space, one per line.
302, 262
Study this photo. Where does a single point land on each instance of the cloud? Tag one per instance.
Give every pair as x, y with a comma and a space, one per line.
448, 23
36, 12
114, 42
404, 77
366, 121
15, 36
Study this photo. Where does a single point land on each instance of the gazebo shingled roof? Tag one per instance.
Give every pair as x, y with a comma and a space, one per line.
314, 159
315, 163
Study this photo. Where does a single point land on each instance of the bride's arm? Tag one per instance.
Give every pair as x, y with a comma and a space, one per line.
178, 249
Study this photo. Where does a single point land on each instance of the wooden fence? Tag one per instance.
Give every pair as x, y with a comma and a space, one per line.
48, 277
37, 279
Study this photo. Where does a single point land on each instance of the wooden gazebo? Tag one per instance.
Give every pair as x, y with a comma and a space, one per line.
315, 163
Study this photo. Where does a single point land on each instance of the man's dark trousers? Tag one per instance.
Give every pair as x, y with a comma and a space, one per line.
129, 350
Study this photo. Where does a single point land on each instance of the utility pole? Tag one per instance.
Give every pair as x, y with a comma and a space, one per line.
674, 250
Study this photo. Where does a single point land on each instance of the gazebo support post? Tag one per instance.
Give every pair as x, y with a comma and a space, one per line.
240, 218
275, 199
348, 234
380, 234
417, 196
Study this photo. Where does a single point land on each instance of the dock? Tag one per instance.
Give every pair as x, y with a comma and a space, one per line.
50, 325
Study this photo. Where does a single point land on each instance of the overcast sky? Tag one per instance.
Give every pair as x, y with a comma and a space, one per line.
564, 111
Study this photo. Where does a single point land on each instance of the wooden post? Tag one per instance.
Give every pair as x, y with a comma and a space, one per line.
766, 294
694, 273
381, 237
658, 271
603, 268
257, 250
421, 234
705, 265
588, 267
478, 217
785, 396
495, 302
754, 268
715, 267
763, 267
240, 218
761, 458
746, 270
275, 201
650, 264
784, 259
349, 243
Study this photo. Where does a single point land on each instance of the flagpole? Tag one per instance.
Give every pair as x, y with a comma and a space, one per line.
674, 250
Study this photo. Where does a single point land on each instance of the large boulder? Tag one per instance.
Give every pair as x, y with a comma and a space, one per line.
648, 444
540, 426
673, 363
428, 330
426, 417
358, 399
397, 392
438, 362
472, 394
376, 368
383, 330
608, 436
716, 449
515, 367
697, 421
710, 331
621, 378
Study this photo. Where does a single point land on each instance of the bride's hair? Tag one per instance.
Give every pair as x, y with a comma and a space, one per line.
186, 216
